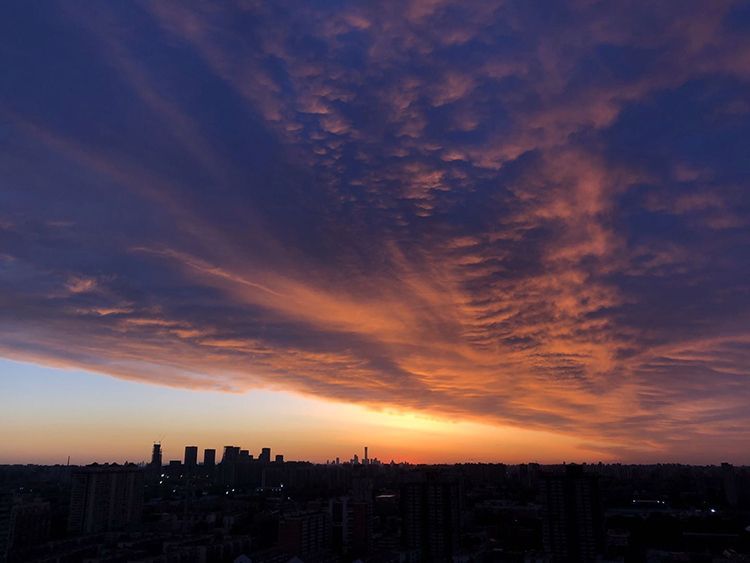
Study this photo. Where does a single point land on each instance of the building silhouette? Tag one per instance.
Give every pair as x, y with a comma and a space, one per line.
209, 458
431, 518
303, 534
105, 498
229, 461
351, 525
191, 457
156, 462
30, 522
231, 454
572, 519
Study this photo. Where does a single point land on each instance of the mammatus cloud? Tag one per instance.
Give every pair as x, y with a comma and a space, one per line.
529, 213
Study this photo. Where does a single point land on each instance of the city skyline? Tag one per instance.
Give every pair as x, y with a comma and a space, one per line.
271, 510
492, 231
28, 437
471, 443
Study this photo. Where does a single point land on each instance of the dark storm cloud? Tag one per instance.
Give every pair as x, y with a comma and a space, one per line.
529, 212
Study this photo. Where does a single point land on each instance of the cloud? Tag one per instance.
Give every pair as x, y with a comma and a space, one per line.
80, 285
532, 214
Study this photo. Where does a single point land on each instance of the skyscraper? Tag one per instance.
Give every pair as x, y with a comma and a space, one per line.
191, 457
572, 521
430, 512
228, 473
156, 456
209, 458
303, 533
105, 498
265, 455
231, 454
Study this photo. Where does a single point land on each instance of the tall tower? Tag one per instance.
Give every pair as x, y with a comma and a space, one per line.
431, 518
572, 519
366, 458
191, 457
105, 498
156, 456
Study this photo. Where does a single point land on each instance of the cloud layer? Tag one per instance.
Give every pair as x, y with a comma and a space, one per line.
534, 213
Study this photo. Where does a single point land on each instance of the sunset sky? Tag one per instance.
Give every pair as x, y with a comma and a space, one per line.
512, 230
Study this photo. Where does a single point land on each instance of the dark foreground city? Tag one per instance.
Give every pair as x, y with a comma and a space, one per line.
243, 508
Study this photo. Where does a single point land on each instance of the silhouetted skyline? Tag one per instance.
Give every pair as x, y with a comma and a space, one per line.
267, 509
451, 230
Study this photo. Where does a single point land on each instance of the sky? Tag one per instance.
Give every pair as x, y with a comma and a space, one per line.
489, 231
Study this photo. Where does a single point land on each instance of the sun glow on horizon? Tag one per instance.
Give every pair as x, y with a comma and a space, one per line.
106, 419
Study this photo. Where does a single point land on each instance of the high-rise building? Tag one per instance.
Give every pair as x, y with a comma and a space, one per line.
229, 461
31, 522
156, 456
279, 458
265, 455
191, 457
231, 454
351, 526
303, 534
572, 520
104, 498
431, 518
209, 457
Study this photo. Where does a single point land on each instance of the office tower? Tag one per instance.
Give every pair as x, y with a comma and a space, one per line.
572, 519
209, 458
231, 454
431, 518
279, 458
265, 455
303, 534
156, 456
229, 461
366, 460
104, 498
191, 457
